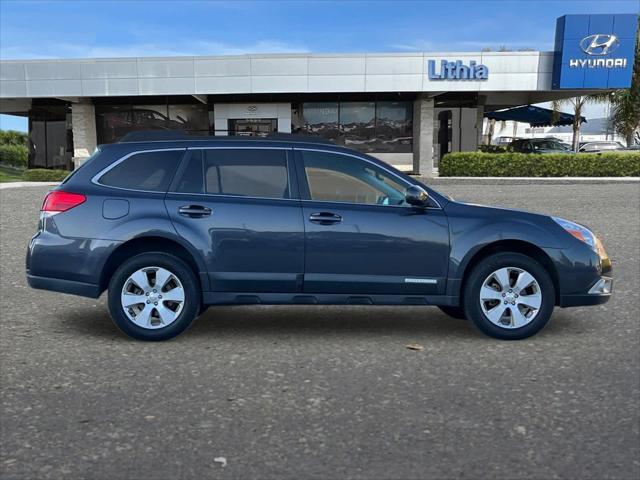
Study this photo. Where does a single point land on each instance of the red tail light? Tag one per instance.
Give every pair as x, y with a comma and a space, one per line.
59, 201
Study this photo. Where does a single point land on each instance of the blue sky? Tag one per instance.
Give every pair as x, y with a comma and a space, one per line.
36, 29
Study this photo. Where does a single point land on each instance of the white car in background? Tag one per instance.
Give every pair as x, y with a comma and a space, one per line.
602, 146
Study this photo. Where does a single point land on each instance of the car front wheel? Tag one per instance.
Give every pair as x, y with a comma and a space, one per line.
154, 296
509, 296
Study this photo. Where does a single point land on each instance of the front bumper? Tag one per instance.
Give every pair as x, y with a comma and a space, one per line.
598, 294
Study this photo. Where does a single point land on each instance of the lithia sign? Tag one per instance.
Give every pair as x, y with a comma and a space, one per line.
456, 70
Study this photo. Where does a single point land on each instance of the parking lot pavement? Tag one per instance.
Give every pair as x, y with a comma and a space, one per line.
325, 392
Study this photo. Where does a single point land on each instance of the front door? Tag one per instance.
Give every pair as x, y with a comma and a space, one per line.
360, 235
238, 206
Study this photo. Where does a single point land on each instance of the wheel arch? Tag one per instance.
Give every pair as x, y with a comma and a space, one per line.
513, 246
147, 244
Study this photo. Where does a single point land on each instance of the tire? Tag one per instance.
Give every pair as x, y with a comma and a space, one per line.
502, 275
455, 312
154, 318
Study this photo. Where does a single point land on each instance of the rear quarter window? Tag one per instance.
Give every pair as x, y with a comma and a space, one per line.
148, 171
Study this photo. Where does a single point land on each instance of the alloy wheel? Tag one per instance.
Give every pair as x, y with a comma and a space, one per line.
152, 297
510, 297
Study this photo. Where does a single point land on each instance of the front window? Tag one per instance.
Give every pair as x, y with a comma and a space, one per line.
339, 178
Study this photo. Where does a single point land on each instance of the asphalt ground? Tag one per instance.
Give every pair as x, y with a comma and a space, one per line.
325, 392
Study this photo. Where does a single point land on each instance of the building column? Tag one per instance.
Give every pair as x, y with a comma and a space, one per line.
480, 124
423, 137
83, 121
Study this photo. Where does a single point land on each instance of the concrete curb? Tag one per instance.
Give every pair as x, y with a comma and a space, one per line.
529, 180
7, 185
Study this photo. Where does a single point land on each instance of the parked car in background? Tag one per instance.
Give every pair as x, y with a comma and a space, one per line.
503, 141
600, 146
538, 145
170, 227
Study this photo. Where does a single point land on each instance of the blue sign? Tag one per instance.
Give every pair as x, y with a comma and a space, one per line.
594, 51
457, 71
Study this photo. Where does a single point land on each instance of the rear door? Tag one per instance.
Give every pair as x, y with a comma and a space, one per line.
240, 208
361, 237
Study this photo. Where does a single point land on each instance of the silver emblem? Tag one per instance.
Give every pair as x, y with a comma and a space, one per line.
599, 44
252, 108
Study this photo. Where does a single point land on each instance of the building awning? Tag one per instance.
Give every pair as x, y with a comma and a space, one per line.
534, 116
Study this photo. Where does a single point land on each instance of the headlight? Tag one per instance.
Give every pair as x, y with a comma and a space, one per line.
583, 234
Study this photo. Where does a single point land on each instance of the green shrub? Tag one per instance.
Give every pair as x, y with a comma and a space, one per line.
11, 137
492, 148
44, 175
514, 164
14, 155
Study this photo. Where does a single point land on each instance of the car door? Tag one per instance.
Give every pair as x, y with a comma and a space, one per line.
240, 208
360, 235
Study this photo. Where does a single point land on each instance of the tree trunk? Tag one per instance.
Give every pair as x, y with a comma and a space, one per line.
490, 127
629, 138
576, 128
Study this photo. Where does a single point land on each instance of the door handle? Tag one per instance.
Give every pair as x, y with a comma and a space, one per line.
194, 211
325, 218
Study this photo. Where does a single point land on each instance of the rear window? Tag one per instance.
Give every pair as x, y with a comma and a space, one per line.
148, 171
246, 172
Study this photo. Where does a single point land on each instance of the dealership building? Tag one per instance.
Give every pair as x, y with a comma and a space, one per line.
404, 108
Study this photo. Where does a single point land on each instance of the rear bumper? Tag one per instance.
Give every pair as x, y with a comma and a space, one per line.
64, 286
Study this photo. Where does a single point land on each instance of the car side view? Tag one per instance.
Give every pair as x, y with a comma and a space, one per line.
171, 224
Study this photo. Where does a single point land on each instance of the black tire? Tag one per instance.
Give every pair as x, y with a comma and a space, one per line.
192, 296
491, 264
455, 312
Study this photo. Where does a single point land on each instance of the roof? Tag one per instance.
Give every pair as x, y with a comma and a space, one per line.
146, 136
534, 116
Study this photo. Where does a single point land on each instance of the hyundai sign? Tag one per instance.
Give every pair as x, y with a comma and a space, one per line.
594, 51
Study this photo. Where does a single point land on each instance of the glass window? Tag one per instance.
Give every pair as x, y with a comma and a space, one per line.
321, 118
191, 177
358, 123
339, 178
149, 171
191, 118
246, 172
394, 127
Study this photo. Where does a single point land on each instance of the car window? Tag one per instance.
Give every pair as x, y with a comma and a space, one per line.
340, 178
191, 178
148, 171
246, 172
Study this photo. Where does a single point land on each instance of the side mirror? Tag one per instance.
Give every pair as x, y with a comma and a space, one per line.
416, 196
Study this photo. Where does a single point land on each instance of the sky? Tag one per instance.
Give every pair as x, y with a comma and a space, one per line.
82, 28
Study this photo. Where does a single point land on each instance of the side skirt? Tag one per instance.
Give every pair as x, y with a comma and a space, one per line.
236, 298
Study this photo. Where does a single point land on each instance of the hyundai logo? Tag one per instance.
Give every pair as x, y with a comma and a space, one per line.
599, 44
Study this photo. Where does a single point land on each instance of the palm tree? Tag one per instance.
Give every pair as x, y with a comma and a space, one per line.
577, 104
625, 104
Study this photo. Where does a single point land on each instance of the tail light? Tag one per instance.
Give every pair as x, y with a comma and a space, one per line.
58, 201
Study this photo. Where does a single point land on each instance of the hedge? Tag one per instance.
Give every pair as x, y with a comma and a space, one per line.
513, 164
14, 155
492, 148
44, 175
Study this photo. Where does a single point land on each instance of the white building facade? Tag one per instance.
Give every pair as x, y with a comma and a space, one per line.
405, 108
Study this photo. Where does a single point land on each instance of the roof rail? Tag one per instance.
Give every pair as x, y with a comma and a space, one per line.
168, 135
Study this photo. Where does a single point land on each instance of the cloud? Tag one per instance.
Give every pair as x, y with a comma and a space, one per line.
184, 48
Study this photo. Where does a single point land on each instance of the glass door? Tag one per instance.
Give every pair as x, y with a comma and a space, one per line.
253, 127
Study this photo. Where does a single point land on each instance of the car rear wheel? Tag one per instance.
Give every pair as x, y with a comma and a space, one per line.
509, 296
154, 296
